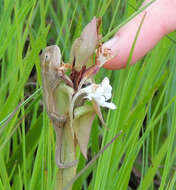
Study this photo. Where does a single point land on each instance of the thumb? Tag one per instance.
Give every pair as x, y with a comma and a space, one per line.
153, 29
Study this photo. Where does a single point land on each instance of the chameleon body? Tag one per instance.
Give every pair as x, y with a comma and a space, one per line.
51, 78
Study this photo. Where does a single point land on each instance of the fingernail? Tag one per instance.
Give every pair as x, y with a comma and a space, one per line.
111, 42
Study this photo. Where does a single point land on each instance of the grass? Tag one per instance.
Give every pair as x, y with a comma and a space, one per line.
143, 157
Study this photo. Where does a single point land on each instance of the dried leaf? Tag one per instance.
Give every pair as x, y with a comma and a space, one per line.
84, 46
84, 116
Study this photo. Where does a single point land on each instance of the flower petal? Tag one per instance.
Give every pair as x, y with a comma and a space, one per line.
109, 105
100, 93
100, 100
105, 82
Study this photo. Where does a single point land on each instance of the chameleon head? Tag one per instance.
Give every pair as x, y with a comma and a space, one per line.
51, 56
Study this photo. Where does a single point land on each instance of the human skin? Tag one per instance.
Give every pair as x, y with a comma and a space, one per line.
160, 20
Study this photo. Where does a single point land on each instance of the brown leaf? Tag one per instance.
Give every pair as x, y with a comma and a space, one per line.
84, 46
82, 124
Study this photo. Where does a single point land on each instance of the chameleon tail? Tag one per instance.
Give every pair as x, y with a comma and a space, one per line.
59, 149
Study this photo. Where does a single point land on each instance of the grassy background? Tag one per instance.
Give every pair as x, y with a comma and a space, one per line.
142, 158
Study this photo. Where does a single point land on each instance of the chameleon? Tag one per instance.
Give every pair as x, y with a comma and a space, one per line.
52, 72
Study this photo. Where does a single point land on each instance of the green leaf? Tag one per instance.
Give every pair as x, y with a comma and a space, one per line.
67, 155
32, 138
63, 98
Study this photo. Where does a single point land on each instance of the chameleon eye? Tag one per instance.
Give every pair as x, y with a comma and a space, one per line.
47, 57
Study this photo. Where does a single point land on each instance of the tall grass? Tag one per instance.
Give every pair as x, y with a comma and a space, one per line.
143, 157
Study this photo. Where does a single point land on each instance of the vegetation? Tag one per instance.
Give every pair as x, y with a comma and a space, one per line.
144, 155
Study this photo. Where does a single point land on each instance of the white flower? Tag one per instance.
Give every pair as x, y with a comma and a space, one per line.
101, 93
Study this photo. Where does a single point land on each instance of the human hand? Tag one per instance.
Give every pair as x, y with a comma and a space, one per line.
160, 20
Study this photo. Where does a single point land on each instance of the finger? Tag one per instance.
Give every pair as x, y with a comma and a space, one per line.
155, 26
